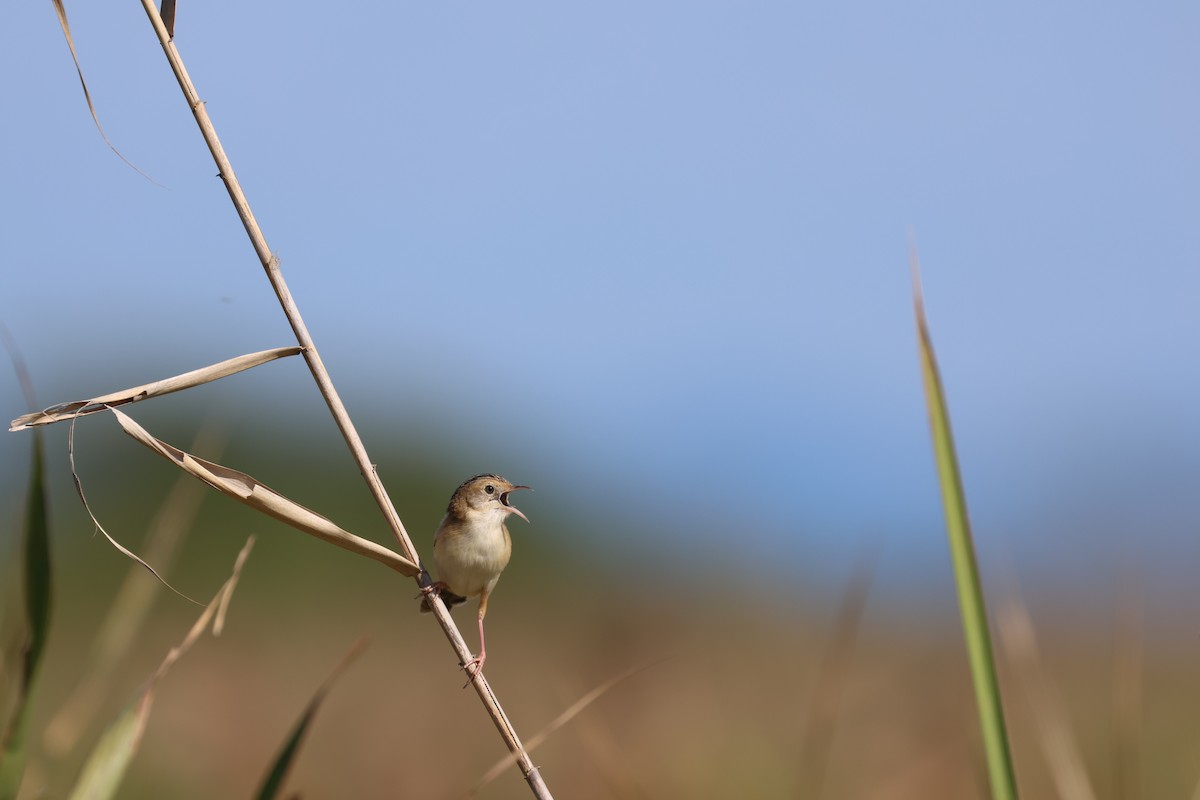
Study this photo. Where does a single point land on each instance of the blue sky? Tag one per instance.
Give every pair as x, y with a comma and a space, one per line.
657, 249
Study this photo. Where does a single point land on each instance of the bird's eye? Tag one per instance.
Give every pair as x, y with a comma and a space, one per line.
490, 489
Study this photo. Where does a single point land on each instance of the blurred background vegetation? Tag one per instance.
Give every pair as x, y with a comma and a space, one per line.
769, 688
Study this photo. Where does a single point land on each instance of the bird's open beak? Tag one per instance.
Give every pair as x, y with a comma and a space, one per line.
511, 508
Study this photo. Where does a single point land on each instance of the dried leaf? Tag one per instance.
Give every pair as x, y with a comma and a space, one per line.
223, 369
248, 490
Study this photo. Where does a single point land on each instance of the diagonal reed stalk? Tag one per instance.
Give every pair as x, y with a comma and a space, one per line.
966, 570
325, 385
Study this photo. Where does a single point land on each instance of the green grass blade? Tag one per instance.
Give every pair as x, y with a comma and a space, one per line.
966, 571
37, 578
37, 563
273, 782
105, 767
283, 762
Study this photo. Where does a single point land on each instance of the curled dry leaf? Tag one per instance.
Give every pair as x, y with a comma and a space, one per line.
260, 497
223, 369
122, 549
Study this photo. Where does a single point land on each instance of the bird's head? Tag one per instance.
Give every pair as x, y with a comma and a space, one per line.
483, 496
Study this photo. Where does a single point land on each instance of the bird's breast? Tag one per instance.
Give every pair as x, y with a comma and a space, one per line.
470, 558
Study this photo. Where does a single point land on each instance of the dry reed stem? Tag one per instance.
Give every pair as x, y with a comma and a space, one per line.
325, 385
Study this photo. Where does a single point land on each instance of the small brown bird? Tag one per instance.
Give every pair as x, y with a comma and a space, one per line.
472, 547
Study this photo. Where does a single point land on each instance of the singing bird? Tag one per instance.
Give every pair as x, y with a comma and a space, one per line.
472, 547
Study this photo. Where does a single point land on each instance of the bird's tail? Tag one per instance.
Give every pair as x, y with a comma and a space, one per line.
449, 598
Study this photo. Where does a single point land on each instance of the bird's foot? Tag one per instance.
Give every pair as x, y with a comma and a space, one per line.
474, 667
430, 589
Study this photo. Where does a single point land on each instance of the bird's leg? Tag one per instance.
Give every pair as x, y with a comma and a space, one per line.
475, 665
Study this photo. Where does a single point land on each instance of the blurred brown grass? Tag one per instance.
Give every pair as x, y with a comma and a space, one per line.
725, 715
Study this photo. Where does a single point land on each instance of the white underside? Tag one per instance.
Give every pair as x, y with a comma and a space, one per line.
471, 564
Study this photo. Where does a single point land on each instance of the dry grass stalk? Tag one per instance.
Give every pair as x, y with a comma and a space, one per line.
325, 384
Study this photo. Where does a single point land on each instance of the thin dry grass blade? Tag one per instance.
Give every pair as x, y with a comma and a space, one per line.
78, 408
579, 705
282, 765
248, 490
129, 610
105, 767
833, 674
1050, 717
607, 753
61, 11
